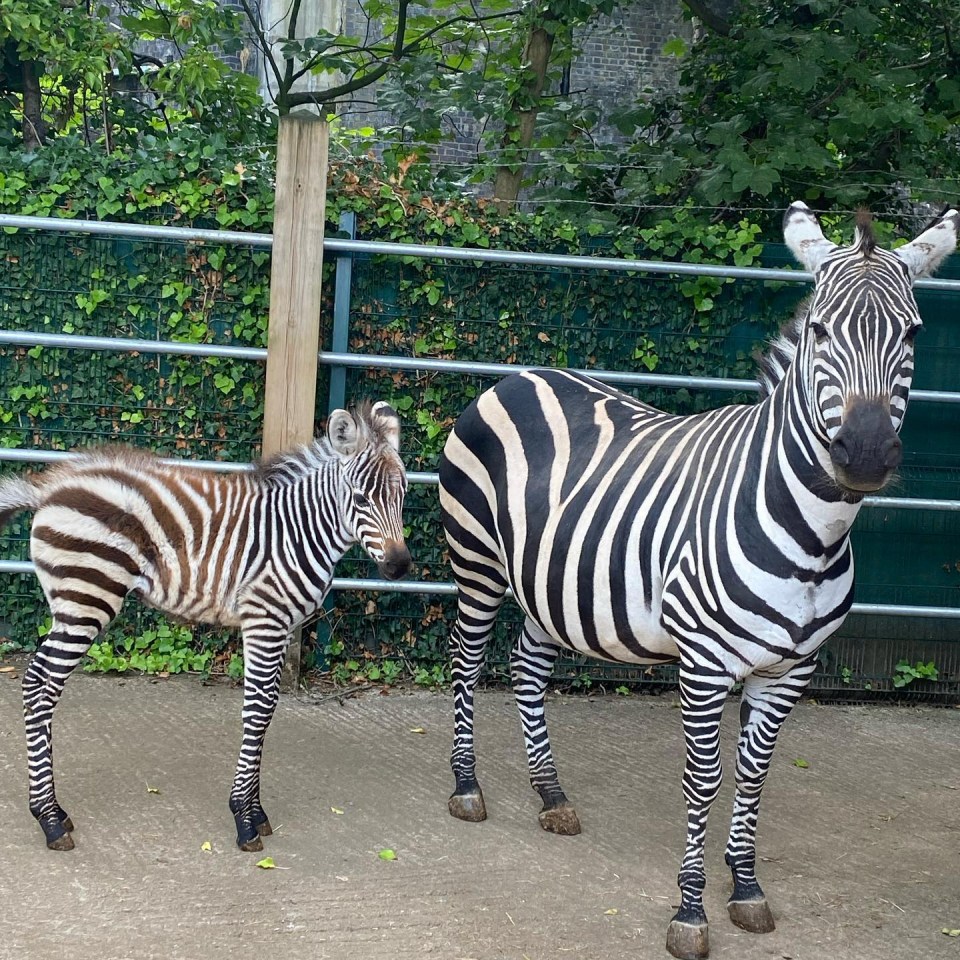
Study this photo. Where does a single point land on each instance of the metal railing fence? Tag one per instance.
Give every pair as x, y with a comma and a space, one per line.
339, 359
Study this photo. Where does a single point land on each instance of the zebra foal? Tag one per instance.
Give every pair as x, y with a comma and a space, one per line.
719, 540
251, 551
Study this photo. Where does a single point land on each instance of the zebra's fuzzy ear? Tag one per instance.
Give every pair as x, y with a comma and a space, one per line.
923, 255
343, 433
388, 423
802, 234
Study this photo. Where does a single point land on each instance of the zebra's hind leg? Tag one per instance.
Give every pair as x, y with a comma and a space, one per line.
62, 649
477, 608
702, 696
531, 663
766, 703
264, 645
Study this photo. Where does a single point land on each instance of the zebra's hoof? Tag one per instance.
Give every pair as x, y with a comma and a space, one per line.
688, 941
63, 842
754, 916
67, 825
468, 806
251, 846
264, 828
562, 820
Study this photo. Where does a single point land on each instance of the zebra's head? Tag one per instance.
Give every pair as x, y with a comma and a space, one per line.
368, 444
857, 336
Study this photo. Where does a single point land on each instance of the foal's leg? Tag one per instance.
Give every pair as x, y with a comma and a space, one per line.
60, 652
766, 703
264, 646
531, 663
702, 696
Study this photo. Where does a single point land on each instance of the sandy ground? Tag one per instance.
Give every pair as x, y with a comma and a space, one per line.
859, 850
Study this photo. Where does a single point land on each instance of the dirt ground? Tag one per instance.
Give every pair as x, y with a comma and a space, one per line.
859, 849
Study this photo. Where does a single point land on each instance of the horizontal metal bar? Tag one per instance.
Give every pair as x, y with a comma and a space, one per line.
70, 341
19, 455
25, 338
449, 589
428, 251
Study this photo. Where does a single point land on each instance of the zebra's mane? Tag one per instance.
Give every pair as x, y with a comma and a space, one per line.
775, 361
289, 466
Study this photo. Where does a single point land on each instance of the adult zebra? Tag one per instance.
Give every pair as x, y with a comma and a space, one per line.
250, 551
719, 540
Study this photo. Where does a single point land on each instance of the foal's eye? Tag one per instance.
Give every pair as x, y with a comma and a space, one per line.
819, 330
912, 332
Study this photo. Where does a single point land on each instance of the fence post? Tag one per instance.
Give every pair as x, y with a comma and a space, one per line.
293, 334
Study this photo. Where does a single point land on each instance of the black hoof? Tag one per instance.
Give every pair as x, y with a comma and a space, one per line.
57, 836
688, 941
562, 820
468, 806
754, 916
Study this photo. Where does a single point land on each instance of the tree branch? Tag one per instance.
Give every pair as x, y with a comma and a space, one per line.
262, 41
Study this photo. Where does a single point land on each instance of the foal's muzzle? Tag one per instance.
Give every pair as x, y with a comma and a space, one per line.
396, 560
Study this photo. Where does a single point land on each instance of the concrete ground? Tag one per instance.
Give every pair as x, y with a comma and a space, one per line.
859, 850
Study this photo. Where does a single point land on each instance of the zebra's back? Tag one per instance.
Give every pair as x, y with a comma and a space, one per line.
598, 509
119, 518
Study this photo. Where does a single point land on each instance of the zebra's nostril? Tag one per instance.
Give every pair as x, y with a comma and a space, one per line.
892, 453
839, 453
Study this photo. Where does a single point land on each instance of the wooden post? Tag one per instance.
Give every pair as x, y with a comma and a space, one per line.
293, 335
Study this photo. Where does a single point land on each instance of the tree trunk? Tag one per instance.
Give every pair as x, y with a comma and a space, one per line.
519, 136
34, 129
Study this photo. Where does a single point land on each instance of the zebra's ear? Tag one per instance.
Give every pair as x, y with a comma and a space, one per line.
923, 255
802, 234
343, 433
387, 421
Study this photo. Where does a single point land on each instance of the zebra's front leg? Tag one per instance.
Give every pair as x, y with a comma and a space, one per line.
43, 681
531, 663
264, 646
702, 697
766, 703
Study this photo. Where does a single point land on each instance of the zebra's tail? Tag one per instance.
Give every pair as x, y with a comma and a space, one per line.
17, 494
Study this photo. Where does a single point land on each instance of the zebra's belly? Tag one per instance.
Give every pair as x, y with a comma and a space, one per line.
190, 606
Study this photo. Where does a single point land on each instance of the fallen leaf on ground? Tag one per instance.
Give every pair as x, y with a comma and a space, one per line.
152, 789
801, 763
8, 669
206, 846
950, 933
266, 863
612, 912
337, 811
387, 855
417, 730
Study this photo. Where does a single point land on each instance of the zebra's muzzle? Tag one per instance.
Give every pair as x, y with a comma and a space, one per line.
396, 560
866, 450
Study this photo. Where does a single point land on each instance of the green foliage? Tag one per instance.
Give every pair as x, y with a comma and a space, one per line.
168, 649
904, 674
834, 102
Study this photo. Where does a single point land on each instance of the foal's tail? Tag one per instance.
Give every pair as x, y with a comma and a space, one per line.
17, 494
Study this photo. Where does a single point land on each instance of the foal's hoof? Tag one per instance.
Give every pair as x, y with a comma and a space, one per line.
468, 806
251, 846
264, 828
688, 941
754, 916
562, 820
63, 842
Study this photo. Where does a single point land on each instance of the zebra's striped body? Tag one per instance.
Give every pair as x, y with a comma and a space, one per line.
719, 540
251, 551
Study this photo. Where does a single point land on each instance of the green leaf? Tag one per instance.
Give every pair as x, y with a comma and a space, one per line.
387, 855
266, 863
801, 763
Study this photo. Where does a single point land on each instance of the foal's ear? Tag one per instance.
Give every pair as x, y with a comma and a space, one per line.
343, 433
387, 422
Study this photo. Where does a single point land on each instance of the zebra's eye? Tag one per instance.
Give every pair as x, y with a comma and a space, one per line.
360, 499
912, 332
819, 330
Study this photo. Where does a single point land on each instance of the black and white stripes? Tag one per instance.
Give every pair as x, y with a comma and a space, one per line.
250, 551
718, 540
